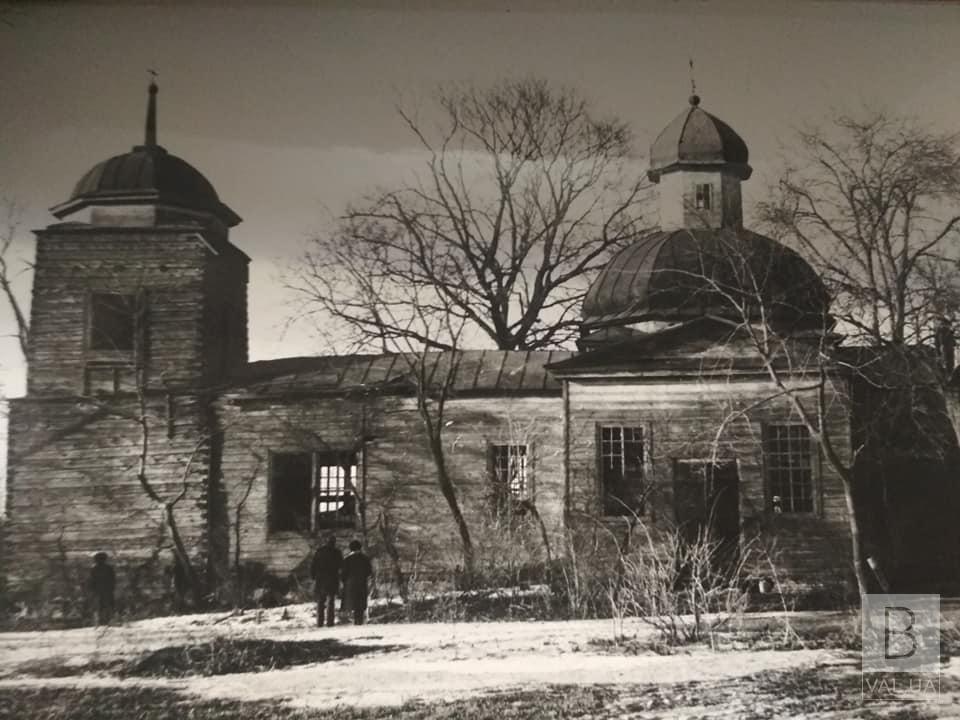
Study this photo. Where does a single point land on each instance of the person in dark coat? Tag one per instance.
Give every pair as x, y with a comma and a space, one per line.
325, 571
356, 572
102, 583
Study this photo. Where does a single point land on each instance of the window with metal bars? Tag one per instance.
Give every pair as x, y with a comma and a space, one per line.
621, 459
311, 491
510, 481
788, 459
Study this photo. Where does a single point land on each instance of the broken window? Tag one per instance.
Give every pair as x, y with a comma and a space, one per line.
113, 321
311, 491
621, 469
788, 460
336, 503
704, 199
509, 469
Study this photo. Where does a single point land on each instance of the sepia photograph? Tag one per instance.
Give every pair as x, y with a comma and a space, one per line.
442, 359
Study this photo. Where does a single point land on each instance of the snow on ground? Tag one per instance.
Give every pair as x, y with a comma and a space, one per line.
396, 679
403, 662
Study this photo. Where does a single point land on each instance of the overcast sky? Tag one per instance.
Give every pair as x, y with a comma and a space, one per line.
289, 110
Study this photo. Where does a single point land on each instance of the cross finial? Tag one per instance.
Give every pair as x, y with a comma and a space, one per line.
150, 139
694, 98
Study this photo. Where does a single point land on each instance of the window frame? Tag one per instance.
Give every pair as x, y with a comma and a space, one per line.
351, 487
119, 372
646, 465
816, 485
138, 307
501, 501
272, 456
703, 196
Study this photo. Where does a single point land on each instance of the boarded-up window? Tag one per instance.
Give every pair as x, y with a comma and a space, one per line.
509, 469
788, 460
704, 199
312, 491
113, 321
621, 469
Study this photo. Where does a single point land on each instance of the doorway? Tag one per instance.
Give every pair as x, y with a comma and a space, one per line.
706, 498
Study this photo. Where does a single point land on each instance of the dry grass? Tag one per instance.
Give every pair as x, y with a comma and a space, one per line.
158, 704
814, 692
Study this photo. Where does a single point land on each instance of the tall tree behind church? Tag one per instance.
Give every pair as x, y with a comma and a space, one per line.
523, 194
874, 202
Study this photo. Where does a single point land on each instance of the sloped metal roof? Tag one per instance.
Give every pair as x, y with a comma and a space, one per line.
470, 371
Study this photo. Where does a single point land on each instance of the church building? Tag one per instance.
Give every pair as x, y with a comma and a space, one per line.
143, 411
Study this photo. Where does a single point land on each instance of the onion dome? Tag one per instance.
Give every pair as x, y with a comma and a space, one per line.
679, 275
148, 174
696, 139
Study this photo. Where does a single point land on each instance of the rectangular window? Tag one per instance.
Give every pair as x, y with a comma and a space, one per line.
509, 467
113, 321
290, 492
704, 199
788, 460
336, 504
621, 469
310, 491
106, 379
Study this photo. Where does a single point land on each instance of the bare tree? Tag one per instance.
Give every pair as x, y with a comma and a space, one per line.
873, 202
242, 490
433, 377
8, 233
524, 194
149, 412
746, 287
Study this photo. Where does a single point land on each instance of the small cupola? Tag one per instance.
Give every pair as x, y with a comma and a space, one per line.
698, 162
144, 187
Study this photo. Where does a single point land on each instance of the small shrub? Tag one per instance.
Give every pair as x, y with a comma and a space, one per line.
686, 588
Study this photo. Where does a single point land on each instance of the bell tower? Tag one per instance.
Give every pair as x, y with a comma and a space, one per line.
139, 310
138, 284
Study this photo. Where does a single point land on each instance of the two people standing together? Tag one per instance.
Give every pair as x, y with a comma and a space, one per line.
329, 568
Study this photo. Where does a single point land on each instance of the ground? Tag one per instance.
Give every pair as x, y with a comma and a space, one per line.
275, 663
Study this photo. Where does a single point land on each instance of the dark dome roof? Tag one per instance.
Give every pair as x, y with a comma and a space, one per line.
675, 275
147, 174
151, 173
695, 137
